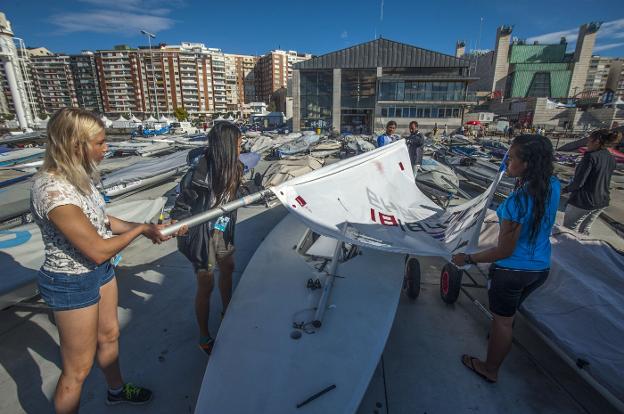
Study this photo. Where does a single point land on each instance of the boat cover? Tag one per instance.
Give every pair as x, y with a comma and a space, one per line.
261, 144
146, 169
580, 307
17, 156
284, 170
14, 200
139, 148
21, 249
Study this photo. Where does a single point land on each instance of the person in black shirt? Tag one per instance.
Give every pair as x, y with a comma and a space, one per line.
589, 189
415, 144
214, 180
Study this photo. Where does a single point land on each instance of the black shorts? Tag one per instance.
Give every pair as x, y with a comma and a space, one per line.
508, 288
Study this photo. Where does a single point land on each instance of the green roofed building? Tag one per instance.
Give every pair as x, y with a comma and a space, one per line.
519, 70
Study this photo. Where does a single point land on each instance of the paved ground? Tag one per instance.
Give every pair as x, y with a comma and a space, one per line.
420, 370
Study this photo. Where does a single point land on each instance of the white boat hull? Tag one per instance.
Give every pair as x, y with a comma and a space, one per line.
256, 367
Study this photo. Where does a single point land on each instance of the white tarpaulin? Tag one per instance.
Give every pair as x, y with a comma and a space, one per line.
374, 194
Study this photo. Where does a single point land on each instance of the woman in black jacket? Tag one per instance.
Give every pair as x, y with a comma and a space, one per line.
589, 189
214, 180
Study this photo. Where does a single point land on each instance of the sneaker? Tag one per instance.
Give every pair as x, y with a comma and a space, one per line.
205, 344
130, 394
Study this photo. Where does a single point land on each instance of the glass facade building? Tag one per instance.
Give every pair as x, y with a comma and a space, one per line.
359, 89
316, 99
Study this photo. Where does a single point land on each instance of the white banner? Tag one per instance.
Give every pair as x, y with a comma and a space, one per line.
376, 196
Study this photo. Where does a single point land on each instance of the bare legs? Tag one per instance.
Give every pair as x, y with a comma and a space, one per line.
84, 334
107, 354
205, 284
499, 346
78, 339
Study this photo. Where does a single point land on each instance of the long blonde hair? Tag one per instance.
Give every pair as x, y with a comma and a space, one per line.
70, 132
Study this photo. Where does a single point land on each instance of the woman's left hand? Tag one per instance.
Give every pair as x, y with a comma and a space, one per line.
459, 259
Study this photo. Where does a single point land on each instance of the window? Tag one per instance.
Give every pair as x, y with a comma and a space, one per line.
540, 85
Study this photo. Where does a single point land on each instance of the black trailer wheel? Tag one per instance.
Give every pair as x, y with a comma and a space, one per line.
411, 281
450, 283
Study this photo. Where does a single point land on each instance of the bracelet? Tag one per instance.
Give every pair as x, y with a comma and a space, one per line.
468, 260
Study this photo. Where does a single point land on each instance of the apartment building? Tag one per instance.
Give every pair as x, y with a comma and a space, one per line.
240, 80
53, 82
86, 82
272, 73
606, 77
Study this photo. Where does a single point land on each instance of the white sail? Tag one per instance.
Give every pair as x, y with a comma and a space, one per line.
375, 194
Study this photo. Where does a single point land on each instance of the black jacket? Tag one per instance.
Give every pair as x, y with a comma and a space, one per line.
589, 188
196, 196
415, 145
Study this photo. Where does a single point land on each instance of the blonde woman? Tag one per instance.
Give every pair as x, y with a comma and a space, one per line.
77, 279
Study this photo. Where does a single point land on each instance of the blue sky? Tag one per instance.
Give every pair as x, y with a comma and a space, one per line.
321, 26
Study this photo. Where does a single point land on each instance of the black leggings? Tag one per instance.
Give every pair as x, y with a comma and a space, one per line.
508, 288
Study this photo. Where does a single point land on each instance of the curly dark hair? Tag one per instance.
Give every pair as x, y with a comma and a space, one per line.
537, 151
605, 137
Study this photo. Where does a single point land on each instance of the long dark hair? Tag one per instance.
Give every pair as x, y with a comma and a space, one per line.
223, 164
537, 152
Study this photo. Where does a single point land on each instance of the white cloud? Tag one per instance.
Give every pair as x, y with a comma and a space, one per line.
554, 37
608, 31
607, 46
105, 21
344, 34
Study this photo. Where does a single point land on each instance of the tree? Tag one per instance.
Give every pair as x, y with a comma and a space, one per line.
181, 114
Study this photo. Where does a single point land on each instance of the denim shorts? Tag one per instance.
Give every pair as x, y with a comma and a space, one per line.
64, 291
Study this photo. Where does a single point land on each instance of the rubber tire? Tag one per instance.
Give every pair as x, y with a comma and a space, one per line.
411, 281
450, 283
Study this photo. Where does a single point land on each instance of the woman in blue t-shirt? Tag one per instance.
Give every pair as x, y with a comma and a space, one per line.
521, 258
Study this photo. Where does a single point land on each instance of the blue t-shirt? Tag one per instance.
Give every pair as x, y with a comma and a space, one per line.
528, 256
386, 139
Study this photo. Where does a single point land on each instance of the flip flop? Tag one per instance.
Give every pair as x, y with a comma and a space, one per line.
470, 365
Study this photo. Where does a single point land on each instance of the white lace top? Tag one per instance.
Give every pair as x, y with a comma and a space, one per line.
50, 191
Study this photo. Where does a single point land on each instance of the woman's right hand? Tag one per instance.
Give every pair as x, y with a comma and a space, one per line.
152, 232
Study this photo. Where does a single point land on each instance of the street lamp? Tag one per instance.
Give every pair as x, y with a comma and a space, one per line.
151, 36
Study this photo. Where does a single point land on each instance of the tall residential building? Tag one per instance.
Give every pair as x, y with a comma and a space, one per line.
86, 81
121, 80
516, 69
605, 76
157, 81
273, 71
239, 74
53, 83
